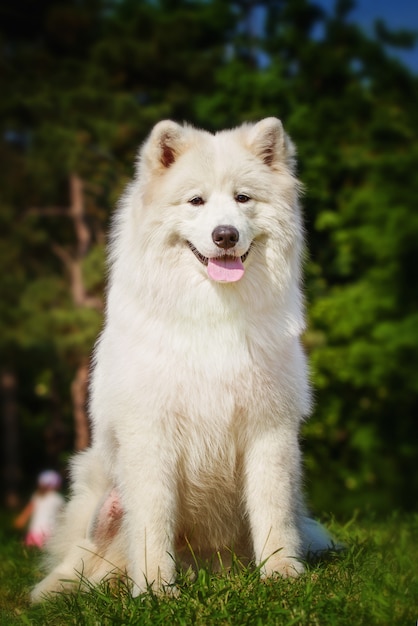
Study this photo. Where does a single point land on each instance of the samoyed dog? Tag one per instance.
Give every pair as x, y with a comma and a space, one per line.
199, 383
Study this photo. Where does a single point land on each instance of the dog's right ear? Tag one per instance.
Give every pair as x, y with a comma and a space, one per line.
164, 145
271, 144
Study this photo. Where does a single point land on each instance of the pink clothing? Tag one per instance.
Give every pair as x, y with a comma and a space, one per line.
35, 539
44, 516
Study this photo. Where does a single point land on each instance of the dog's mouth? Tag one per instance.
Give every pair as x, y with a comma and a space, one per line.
226, 268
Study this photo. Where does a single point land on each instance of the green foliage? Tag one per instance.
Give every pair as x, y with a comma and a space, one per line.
102, 73
363, 305
373, 582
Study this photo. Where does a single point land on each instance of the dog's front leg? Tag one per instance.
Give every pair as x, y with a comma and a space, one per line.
272, 492
146, 478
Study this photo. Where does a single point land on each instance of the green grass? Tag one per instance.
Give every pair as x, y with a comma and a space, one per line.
375, 581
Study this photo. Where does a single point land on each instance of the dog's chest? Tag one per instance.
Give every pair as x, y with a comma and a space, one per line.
209, 478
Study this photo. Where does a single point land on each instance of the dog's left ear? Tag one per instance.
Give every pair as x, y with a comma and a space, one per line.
271, 144
166, 142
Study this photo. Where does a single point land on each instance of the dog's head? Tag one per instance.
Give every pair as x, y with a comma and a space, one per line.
217, 199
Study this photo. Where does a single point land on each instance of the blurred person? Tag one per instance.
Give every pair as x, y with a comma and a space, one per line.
42, 510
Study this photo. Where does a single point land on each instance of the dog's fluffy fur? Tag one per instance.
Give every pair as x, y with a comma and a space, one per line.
200, 383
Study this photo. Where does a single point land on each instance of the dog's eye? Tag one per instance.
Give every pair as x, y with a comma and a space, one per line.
197, 201
242, 197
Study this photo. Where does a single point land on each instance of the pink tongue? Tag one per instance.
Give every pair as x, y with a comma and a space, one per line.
225, 269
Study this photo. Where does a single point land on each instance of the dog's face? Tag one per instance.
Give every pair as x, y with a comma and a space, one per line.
216, 199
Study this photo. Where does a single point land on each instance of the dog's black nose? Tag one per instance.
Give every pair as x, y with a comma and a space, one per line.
225, 236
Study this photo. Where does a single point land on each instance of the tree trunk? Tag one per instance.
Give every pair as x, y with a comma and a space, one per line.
11, 463
79, 387
79, 396
72, 260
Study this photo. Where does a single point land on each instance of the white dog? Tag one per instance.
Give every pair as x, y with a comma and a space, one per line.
200, 383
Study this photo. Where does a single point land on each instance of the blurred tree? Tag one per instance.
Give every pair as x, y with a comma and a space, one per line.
358, 151
84, 82
352, 110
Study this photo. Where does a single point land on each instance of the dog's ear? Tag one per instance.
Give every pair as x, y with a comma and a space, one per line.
166, 142
271, 144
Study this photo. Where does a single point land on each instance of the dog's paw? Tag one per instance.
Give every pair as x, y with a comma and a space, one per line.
285, 567
156, 581
56, 582
170, 590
